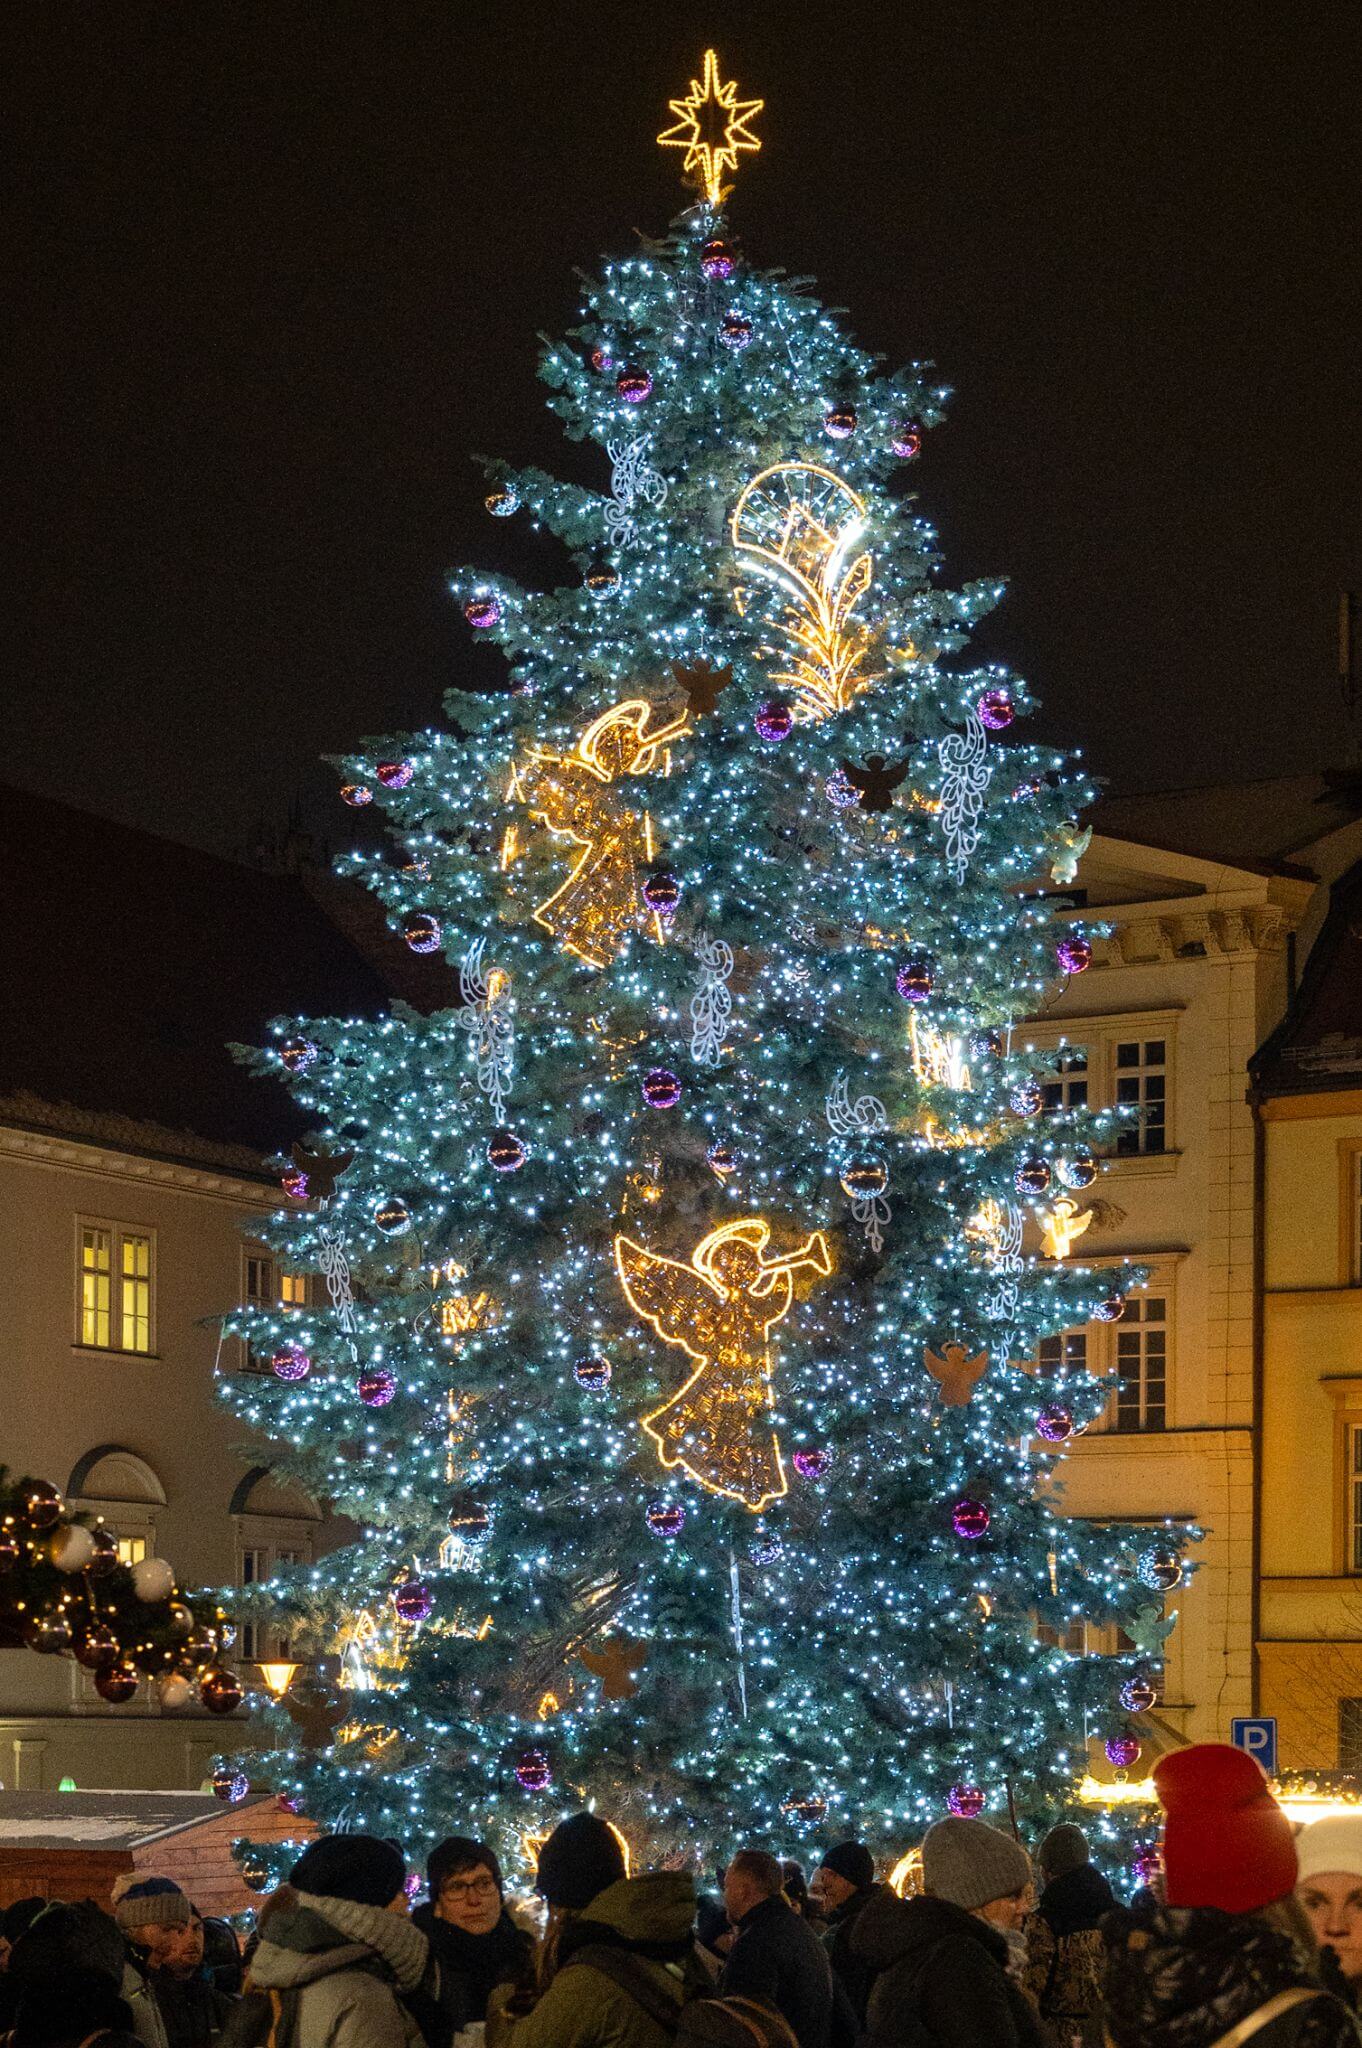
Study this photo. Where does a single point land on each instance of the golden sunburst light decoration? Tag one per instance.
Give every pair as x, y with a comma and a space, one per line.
712, 127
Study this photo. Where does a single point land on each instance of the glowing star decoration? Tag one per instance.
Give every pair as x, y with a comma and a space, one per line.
1062, 1226
720, 1310
966, 772
712, 127
488, 1017
595, 909
796, 526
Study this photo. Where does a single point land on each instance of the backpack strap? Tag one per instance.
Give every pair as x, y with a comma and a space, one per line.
1252, 2023
767, 2025
634, 1978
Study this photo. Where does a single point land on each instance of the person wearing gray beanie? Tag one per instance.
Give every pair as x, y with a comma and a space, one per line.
940, 1961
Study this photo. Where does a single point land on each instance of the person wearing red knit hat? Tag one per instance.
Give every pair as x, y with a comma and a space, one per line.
1230, 1957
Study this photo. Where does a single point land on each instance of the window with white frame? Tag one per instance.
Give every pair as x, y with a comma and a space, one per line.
1355, 1496
1141, 1077
115, 1286
1067, 1087
258, 1559
266, 1285
1072, 1638
1142, 1363
1066, 1352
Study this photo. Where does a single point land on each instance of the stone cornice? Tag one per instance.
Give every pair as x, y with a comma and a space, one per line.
46, 1148
1150, 934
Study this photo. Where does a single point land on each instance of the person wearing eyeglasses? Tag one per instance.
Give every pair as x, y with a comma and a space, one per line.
473, 1940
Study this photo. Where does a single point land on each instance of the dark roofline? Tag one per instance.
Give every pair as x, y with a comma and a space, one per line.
1317, 968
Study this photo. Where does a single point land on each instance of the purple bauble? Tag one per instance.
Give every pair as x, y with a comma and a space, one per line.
413, 1601
1054, 1423
916, 978
602, 360
665, 1517
376, 1386
774, 721
1111, 1308
1032, 1177
505, 1153
840, 792
662, 893
290, 1362
718, 258
592, 1372
661, 1088
422, 933
813, 1462
633, 385
1147, 1866
840, 422
394, 774
483, 611
1122, 1751
906, 440
996, 710
230, 1785
734, 331
533, 1770
356, 795
723, 1160
1138, 1695
294, 1184
297, 1054
965, 1801
1074, 955
970, 1518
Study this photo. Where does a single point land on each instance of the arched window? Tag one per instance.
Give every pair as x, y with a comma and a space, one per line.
116, 1484
276, 1525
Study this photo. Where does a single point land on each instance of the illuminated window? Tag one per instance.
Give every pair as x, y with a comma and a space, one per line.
1142, 1083
115, 1279
1142, 1363
266, 1286
293, 1290
1068, 1085
131, 1549
96, 1285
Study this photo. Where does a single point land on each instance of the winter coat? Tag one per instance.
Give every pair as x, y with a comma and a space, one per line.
469, 1967
1182, 1977
853, 1975
81, 1937
939, 1973
1066, 1956
648, 1921
778, 1958
192, 2011
349, 1965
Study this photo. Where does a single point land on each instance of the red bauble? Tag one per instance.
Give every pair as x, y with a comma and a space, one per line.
602, 361
105, 1559
395, 774
413, 1601
533, 1770
42, 1504
294, 1184
970, 1518
116, 1683
812, 1462
965, 1801
661, 1088
220, 1690
290, 1362
96, 1646
356, 795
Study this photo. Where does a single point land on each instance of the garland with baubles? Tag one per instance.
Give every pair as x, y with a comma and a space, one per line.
64, 1592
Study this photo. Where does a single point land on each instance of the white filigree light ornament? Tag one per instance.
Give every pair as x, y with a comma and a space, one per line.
966, 772
863, 1119
1005, 1258
711, 1006
633, 482
488, 1015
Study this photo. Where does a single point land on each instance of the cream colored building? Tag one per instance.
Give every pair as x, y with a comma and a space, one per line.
1308, 1096
132, 1153
1214, 898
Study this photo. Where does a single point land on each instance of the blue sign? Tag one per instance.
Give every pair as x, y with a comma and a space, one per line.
1259, 1738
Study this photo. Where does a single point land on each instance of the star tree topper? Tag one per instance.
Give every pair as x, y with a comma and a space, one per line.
712, 126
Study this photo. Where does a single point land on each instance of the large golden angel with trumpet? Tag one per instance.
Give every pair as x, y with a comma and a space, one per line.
720, 1309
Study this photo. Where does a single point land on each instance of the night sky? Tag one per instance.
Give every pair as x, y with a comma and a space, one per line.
279, 269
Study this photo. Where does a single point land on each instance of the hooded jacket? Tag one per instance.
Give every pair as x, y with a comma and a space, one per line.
648, 1919
1180, 1977
349, 1965
81, 1937
941, 1973
1066, 1955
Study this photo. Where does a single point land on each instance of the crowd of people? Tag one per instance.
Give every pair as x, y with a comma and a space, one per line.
1251, 1932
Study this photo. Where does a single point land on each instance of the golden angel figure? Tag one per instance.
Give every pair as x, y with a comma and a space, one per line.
1062, 1226
596, 908
720, 1310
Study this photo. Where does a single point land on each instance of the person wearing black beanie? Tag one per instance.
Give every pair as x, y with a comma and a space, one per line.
580, 1858
337, 1944
474, 1943
844, 1884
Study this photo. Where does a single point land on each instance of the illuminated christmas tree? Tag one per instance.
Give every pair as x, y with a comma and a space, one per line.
679, 1286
